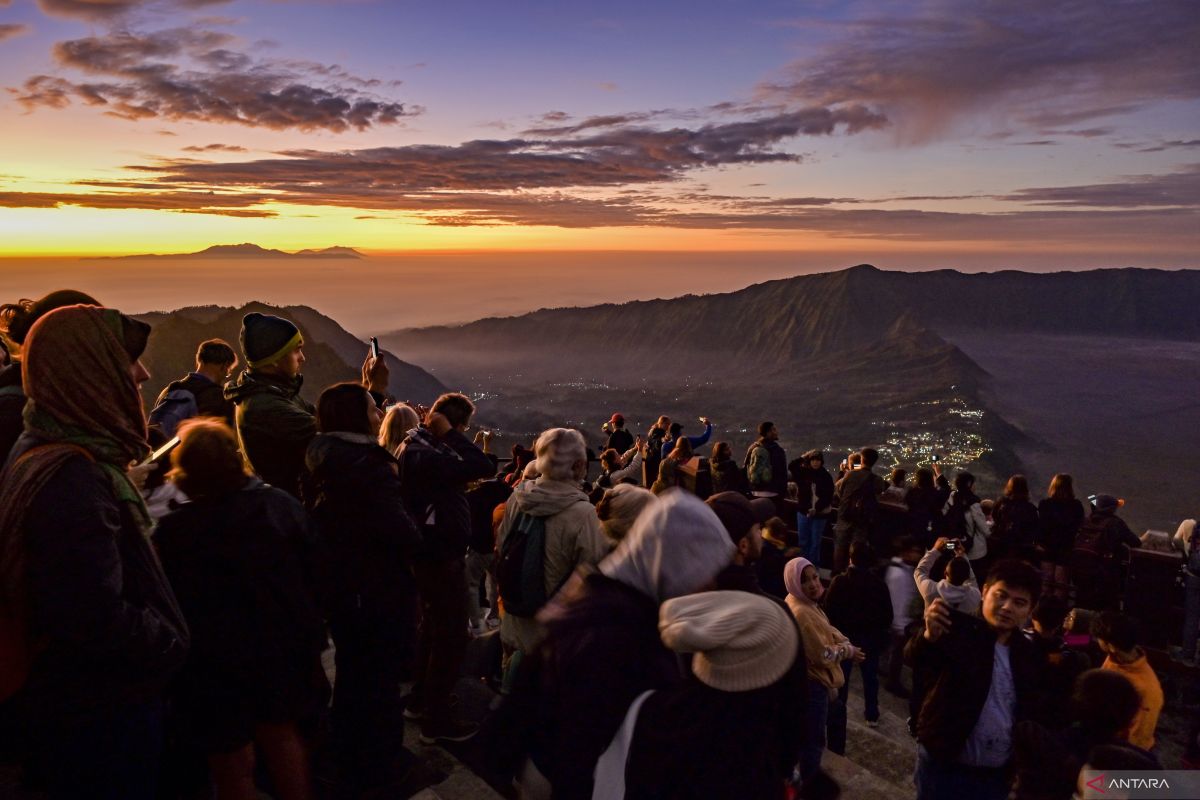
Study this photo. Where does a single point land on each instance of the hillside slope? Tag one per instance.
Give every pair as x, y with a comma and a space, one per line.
333, 354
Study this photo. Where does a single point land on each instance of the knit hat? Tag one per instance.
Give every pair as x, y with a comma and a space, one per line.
739, 514
266, 339
742, 641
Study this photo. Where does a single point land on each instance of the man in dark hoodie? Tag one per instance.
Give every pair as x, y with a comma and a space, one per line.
274, 423
437, 461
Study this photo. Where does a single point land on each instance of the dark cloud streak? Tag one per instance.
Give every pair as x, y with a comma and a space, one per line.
140, 77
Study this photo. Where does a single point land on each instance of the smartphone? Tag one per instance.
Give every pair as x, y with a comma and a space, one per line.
951, 546
374, 347
162, 451
935, 458
961, 623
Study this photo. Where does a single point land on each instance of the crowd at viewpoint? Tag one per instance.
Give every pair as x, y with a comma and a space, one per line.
677, 626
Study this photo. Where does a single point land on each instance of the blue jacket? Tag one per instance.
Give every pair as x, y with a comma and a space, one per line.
696, 441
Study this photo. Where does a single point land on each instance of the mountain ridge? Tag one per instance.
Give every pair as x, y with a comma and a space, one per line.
243, 250
812, 316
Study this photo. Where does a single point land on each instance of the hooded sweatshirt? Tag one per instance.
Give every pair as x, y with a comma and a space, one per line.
825, 647
573, 538
1150, 690
965, 598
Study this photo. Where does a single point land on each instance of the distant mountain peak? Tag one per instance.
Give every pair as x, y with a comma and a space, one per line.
249, 250
246, 249
337, 250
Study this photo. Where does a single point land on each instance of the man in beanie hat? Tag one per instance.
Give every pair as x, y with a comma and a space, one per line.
743, 520
731, 730
275, 424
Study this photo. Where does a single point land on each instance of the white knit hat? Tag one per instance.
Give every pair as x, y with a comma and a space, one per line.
742, 641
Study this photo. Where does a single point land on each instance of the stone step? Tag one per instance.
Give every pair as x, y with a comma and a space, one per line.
859, 783
888, 752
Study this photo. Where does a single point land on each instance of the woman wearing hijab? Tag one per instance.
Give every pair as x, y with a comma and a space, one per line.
16, 320
76, 567
825, 648
602, 647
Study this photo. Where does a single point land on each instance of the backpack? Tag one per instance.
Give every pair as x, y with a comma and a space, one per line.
758, 466
521, 566
1093, 550
862, 504
176, 404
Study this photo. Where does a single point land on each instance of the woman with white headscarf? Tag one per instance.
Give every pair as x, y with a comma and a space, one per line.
602, 647
825, 648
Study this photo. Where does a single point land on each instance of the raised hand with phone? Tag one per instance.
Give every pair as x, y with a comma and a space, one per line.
375, 372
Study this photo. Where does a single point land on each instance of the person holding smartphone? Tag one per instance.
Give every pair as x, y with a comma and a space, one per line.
981, 677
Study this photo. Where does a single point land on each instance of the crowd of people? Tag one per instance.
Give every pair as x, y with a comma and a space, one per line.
665, 629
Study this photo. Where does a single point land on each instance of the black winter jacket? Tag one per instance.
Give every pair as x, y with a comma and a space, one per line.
237, 564
274, 425
434, 474
859, 605
956, 672
1058, 523
1015, 523
602, 651
807, 479
367, 538
483, 500
620, 440
99, 600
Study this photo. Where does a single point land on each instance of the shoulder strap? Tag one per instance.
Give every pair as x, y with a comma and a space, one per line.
610, 768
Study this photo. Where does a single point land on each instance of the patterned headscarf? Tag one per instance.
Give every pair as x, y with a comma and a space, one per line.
82, 397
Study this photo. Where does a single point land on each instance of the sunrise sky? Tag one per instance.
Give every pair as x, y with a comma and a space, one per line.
913, 134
